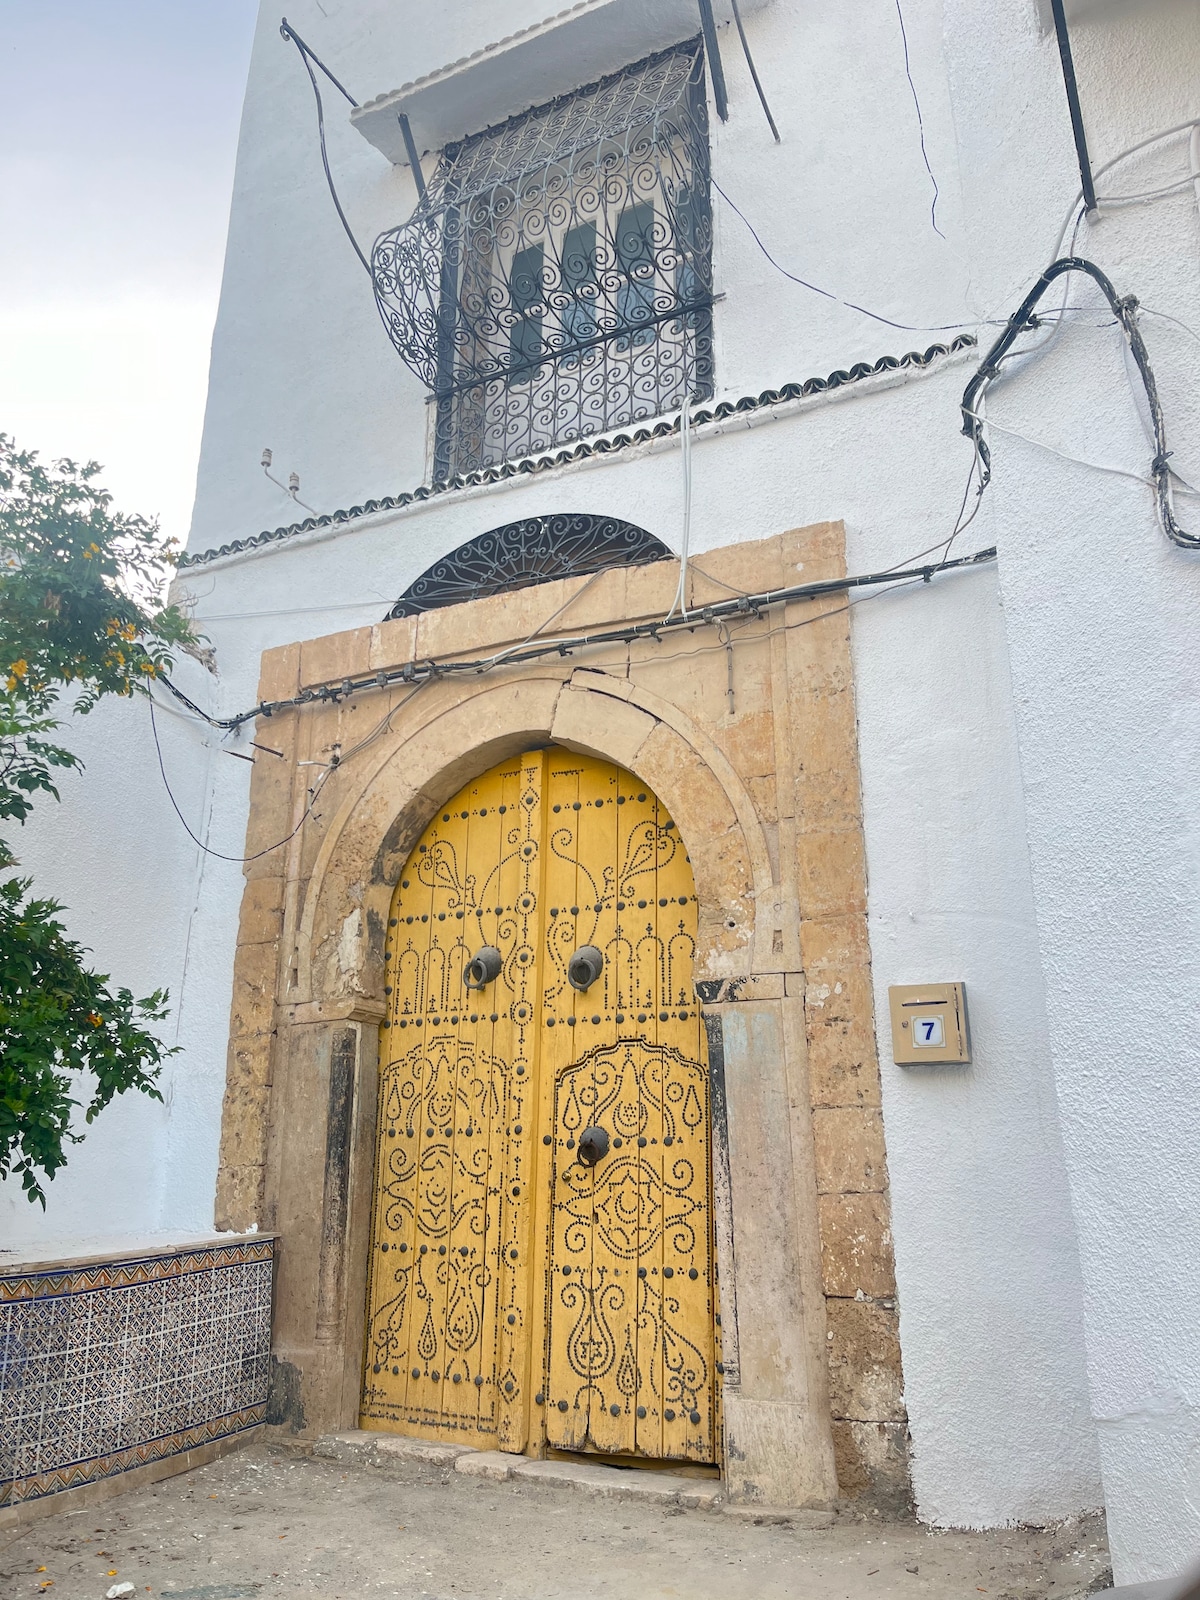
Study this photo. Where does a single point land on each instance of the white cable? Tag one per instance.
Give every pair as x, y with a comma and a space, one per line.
1144, 194
1192, 125
1075, 212
1078, 461
293, 611
291, 489
1167, 317
685, 438
502, 655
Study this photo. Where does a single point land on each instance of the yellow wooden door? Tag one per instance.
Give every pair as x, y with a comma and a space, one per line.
631, 1295
448, 1326
542, 1267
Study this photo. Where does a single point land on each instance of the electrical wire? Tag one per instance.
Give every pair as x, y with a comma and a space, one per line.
1144, 194
1063, 455
421, 671
292, 611
288, 32
492, 661
679, 603
313, 796
380, 727
963, 521
1125, 312
729, 588
292, 494
920, 123
827, 294
1076, 212
308, 58
1167, 317
502, 655
1139, 401
1122, 155
890, 581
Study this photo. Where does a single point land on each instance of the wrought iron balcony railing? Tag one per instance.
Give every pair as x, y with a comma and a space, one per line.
555, 280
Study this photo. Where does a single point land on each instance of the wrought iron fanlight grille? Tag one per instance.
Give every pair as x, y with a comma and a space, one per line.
555, 281
521, 554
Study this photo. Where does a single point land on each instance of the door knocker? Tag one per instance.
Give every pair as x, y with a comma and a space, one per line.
593, 1145
484, 968
584, 967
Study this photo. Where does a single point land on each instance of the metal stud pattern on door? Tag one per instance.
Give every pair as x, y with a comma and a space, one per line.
542, 1264
447, 1337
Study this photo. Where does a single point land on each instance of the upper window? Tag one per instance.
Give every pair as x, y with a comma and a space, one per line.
555, 281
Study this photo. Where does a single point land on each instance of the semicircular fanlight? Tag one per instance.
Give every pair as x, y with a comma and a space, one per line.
521, 554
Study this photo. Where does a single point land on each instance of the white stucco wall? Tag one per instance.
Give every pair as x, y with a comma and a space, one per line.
128, 878
1029, 735
1100, 617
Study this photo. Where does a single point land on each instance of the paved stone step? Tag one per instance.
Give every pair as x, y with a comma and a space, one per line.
377, 1449
366, 1448
599, 1481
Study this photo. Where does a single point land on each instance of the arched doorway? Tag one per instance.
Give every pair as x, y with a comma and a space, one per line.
542, 1270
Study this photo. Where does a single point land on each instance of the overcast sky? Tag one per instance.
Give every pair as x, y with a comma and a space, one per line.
118, 130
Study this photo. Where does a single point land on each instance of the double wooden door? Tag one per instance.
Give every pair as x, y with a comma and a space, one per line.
542, 1270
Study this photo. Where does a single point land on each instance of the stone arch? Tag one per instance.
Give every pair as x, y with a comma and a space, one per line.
441, 746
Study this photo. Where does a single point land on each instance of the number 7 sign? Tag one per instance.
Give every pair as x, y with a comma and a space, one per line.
929, 1023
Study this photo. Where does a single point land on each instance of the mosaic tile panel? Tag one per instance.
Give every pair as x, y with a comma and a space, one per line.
113, 1365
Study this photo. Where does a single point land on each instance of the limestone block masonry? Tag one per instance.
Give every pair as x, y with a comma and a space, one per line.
754, 752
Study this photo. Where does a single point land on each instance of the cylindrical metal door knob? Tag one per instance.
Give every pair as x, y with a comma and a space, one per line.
593, 1145
584, 967
484, 968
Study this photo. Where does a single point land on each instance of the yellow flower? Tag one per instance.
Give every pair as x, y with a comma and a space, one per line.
19, 668
95, 1019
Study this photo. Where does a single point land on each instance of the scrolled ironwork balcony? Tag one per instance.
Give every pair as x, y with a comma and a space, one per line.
555, 281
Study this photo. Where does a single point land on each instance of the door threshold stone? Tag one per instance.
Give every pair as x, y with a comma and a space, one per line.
599, 1481
364, 1448
378, 1449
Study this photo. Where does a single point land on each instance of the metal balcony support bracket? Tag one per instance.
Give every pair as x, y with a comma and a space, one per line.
762, 94
708, 26
414, 160
1068, 68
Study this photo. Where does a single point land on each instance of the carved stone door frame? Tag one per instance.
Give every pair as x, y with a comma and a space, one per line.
764, 789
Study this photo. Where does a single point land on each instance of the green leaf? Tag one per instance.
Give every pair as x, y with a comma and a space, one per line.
82, 610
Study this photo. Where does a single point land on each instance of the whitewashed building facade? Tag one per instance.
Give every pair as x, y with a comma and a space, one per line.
1028, 728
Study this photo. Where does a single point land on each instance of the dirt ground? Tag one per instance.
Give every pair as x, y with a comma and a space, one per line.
265, 1523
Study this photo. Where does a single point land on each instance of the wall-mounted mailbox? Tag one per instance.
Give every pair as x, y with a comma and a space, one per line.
929, 1023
